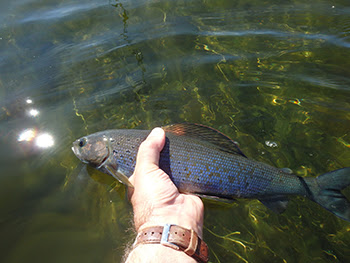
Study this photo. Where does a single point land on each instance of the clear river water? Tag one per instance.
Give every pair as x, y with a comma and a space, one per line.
273, 75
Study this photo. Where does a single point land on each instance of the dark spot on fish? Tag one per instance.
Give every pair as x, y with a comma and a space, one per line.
137, 139
118, 143
131, 159
128, 139
112, 140
127, 151
115, 151
121, 156
132, 146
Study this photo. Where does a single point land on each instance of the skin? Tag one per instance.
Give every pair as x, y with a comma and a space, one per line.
156, 201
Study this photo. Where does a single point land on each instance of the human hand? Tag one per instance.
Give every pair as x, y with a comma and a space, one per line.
155, 198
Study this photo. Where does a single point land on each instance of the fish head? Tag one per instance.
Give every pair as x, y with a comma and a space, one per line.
93, 150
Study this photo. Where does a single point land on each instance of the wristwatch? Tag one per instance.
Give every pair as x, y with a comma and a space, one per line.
176, 237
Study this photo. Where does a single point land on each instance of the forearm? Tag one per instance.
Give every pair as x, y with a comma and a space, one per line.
187, 217
157, 253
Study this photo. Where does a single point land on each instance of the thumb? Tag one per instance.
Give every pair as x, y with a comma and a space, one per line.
148, 153
150, 149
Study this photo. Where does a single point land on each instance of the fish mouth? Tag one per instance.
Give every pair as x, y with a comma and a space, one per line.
74, 150
77, 154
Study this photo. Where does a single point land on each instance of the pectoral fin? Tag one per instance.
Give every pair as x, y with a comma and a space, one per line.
118, 175
216, 198
278, 205
112, 167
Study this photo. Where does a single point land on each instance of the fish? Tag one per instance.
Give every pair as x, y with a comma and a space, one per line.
203, 161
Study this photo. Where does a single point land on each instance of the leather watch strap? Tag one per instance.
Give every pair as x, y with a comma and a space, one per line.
176, 237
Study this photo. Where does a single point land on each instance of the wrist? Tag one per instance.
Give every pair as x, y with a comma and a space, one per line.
191, 218
175, 237
157, 253
178, 220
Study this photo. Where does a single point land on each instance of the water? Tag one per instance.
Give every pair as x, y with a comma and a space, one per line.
273, 75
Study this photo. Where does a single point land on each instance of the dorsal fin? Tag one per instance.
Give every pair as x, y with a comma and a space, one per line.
205, 133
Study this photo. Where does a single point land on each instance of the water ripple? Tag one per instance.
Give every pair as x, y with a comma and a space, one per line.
335, 40
47, 14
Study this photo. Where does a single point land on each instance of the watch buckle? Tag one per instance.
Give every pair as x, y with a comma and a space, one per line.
165, 237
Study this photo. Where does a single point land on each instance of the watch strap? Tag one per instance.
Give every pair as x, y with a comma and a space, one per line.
176, 237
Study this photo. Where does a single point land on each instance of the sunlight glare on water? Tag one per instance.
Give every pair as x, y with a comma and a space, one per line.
44, 140
27, 135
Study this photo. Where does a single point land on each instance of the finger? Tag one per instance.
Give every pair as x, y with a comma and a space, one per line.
148, 153
150, 149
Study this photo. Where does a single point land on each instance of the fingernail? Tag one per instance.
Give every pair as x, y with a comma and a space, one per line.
156, 132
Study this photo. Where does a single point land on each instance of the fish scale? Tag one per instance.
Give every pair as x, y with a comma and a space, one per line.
203, 161
195, 168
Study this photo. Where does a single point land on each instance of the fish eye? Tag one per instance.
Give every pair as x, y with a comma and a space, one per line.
82, 142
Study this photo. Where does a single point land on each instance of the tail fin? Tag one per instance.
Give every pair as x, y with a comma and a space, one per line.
325, 190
